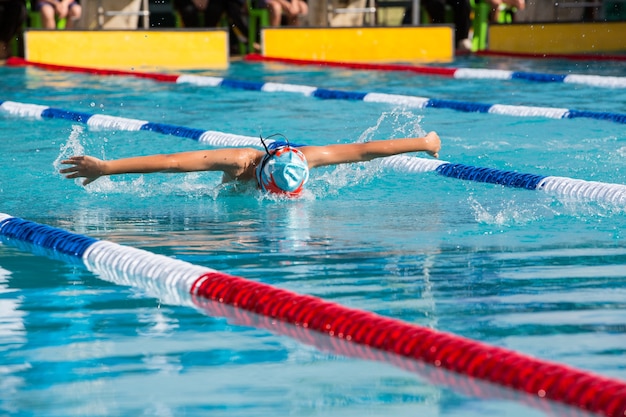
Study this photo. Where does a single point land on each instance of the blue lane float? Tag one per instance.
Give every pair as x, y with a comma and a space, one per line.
490, 175
372, 97
104, 122
582, 79
409, 101
562, 187
591, 80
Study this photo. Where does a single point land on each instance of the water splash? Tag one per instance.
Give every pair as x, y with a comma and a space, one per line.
71, 147
401, 121
507, 214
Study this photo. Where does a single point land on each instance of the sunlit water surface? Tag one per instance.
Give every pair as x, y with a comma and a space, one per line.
514, 268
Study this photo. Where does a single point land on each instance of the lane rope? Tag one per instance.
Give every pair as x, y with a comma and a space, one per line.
330, 94
184, 281
562, 187
458, 73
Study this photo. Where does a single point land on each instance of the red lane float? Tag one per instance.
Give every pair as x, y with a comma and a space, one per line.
442, 71
16, 62
497, 365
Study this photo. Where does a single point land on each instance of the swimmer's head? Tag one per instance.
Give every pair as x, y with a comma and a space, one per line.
284, 170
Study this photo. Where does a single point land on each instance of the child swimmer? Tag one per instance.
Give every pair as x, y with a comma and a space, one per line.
282, 169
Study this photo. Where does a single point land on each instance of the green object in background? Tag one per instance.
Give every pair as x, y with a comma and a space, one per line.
480, 25
481, 21
257, 18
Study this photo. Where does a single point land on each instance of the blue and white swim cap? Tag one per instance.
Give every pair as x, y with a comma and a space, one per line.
283, 171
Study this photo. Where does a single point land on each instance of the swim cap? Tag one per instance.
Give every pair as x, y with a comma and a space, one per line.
284, 171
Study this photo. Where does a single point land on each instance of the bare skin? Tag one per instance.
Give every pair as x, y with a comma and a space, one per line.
240, 163
519, 4
60, 8
292, 8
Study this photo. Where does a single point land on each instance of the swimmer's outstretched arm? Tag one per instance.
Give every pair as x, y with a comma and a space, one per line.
358, 152
234, 163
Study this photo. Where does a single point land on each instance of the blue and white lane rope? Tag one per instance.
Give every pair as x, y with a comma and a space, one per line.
561, 187
159, 275
100, 121
590, 80
459, 73
397, 99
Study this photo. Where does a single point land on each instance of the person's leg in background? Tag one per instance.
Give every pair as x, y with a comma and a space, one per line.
73, 15
276, 11
234, 10
48, 18
436, 10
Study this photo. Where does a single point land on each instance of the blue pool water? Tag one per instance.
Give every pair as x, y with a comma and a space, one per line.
521, 269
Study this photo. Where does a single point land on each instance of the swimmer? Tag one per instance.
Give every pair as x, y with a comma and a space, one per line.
279, 168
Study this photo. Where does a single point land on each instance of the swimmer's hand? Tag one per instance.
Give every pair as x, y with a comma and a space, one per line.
86, 167
432, 144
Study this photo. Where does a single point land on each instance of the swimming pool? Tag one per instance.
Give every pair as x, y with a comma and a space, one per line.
511, 267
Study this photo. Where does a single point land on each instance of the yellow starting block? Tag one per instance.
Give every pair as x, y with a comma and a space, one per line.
129, 49
558, 38
361, 44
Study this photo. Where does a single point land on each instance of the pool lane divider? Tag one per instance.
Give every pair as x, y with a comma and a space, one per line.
433, 375
135, 267
329, 94
104, 122
458, 73
564, 187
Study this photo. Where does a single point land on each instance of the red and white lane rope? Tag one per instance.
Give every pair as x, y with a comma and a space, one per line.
183, 282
